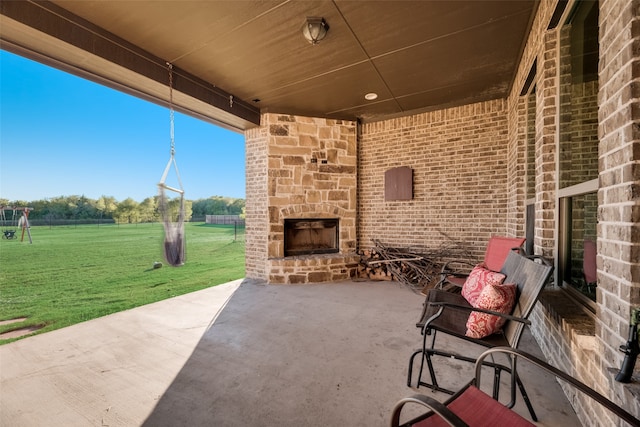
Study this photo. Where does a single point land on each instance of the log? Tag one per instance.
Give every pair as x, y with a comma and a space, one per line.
415, 268
386, 261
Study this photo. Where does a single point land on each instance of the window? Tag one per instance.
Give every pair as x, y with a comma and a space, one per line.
577, 244
578, 147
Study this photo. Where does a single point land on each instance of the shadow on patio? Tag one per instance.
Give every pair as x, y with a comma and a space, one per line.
277, 355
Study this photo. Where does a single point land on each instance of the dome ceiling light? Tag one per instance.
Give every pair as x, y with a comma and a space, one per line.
315, 29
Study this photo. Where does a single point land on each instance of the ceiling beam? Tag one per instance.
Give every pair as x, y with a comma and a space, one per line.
47, 33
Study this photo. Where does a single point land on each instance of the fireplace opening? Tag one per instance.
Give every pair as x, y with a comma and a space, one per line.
310, 236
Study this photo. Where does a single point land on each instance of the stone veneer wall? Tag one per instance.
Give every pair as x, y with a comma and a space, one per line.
460, 182
302, 168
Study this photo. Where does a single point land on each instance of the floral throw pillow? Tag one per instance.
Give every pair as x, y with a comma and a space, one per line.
497, 297
477, 280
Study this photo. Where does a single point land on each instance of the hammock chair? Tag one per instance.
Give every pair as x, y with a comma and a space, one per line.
174, 238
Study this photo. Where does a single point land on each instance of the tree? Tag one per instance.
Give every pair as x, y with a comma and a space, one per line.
127, 211
174, 209
218, 205
237, 207
106, 205
148, 209
188, 210
81, 207
58, 208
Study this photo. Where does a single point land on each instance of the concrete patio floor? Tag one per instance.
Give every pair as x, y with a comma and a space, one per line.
242, 353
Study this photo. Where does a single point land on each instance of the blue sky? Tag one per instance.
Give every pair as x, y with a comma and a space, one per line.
61, 135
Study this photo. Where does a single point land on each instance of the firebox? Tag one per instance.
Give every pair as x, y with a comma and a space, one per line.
308, 236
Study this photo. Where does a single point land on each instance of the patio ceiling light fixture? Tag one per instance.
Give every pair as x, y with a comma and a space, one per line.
315, 29
371, 96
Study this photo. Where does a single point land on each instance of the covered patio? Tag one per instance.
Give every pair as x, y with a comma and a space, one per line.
538, 100
241, 353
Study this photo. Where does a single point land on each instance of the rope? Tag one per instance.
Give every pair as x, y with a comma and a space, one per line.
172, 159
174, 239
173, 142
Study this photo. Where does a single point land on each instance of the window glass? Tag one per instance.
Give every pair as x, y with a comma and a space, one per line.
580, 273
578, 151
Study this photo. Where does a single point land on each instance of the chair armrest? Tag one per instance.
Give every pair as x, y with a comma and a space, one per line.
563, 376
543, 260
447, 270
444, 305
438, 408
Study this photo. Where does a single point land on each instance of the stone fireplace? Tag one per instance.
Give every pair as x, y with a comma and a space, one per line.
301, 199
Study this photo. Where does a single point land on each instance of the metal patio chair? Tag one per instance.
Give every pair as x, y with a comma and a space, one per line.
455, 272
447, 313
472, 407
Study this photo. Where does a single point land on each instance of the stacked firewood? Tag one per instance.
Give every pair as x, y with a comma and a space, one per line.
416, 268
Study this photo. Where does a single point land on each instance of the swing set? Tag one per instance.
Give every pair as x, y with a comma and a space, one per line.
19, 220
174, 239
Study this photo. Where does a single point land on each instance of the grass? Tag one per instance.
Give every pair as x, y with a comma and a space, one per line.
73, 274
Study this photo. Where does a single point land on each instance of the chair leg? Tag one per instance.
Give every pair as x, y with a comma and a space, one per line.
425, 356
432, 373
413, 356
525, 397
427, 353
496, 382
434, 382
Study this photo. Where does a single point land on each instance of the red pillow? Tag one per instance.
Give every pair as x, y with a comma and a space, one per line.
496, 297
479, 277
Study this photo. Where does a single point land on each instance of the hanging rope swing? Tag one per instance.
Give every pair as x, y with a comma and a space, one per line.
173, 221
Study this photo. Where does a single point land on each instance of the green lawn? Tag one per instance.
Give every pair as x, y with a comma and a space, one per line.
72, 274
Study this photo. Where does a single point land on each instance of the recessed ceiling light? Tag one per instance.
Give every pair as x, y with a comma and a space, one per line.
371, 96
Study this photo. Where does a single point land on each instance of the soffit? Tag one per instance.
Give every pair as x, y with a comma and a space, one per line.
416, 55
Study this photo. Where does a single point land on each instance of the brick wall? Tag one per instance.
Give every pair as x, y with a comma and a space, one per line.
256, 207
458, 157
546, 151
619, 192
516, 167
576, 342
469, 167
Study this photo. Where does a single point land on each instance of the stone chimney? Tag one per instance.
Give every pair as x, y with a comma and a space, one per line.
300, 168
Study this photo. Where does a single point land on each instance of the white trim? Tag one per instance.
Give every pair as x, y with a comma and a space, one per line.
578, 189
